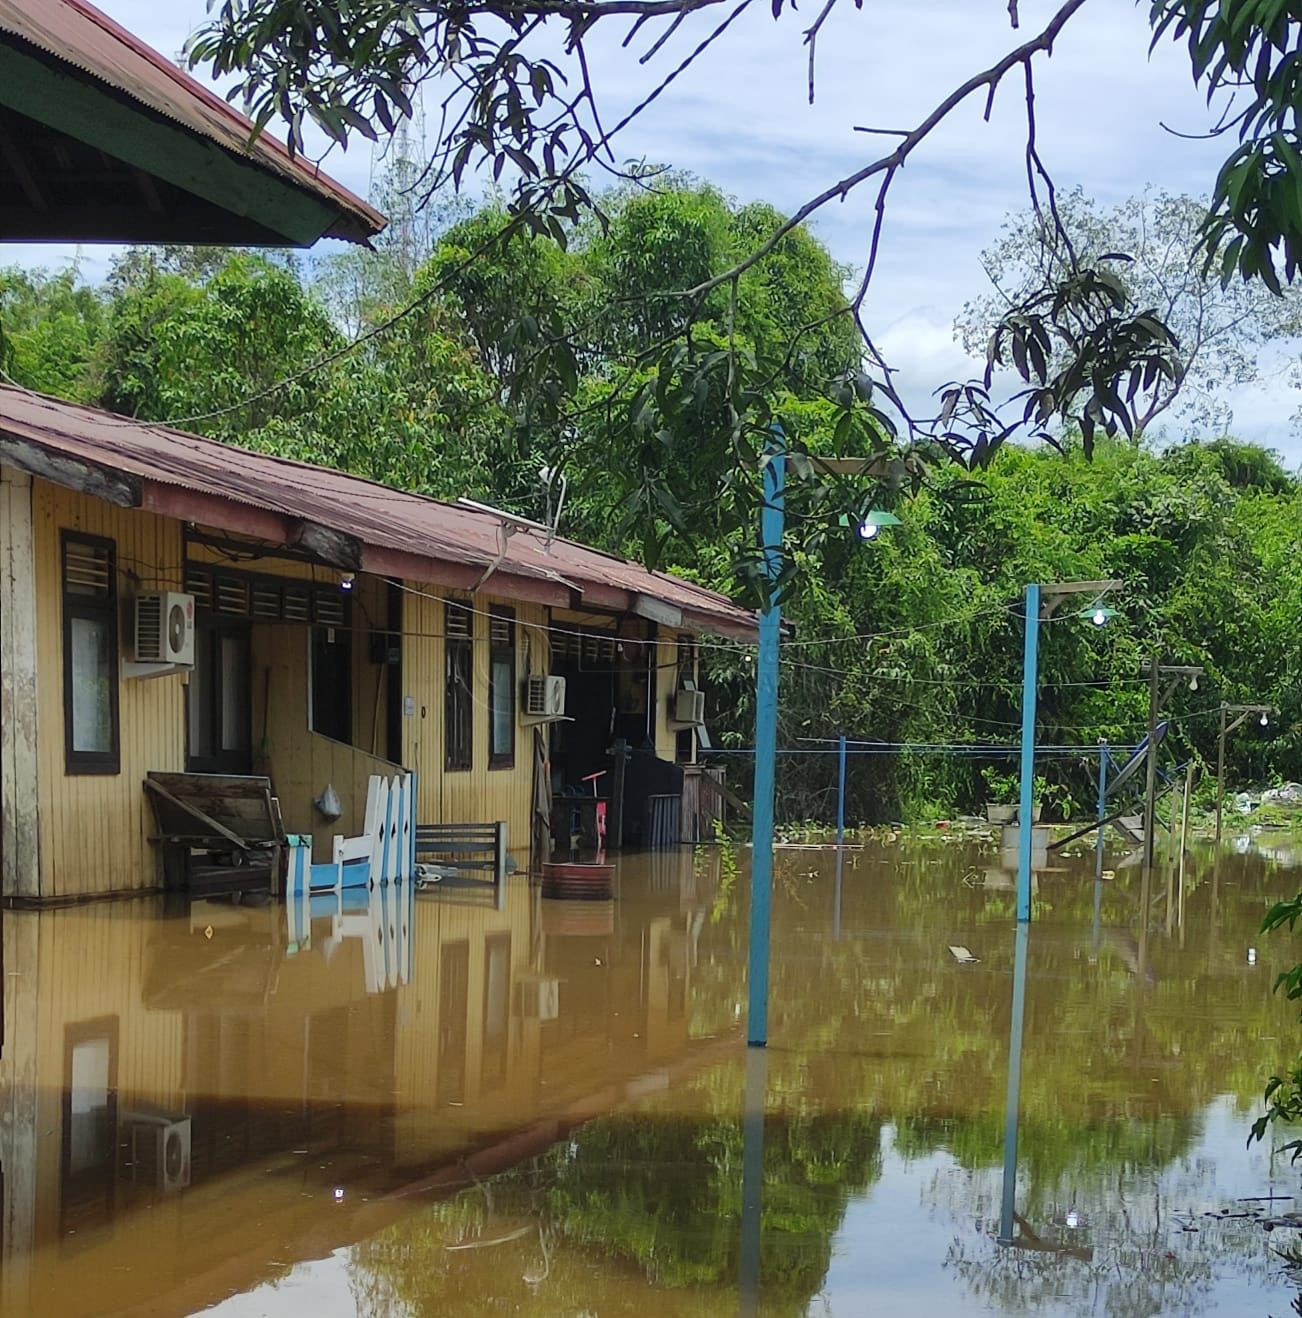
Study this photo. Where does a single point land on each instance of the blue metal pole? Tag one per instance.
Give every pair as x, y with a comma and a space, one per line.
766, 746
1026, 811
840, 790
1013, 1094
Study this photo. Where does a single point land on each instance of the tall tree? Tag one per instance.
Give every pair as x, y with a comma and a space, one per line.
517, 101
1153, 245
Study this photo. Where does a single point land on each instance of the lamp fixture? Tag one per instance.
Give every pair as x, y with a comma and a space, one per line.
869, 526
1265, 718
1193, 682
1098, 614
346, 581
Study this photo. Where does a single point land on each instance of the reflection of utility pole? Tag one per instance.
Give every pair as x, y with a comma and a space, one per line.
1013, 1093
1245, 712
752, 1180
1157, 698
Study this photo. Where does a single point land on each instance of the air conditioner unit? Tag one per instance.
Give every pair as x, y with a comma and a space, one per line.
544, 696
165, 628
159, 1148
540, 999
689, 707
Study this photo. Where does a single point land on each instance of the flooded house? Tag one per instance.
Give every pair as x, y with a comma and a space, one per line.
174, 605
171, 606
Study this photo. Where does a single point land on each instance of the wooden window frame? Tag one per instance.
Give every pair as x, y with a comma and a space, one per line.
102, 1179
77, 762
497, 653
458, 718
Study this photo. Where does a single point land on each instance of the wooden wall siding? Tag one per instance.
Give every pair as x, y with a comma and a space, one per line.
94, 827
479, 794
19, 706
68, 967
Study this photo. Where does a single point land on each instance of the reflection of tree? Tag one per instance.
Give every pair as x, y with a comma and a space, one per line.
656, 1197
1124, 1056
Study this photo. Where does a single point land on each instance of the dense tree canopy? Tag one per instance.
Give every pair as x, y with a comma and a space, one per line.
460, 398
513, 81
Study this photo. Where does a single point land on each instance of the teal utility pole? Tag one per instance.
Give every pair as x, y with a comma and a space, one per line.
772, 521
1026, 810
1041, 601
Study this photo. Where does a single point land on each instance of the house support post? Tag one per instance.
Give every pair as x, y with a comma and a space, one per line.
20, 860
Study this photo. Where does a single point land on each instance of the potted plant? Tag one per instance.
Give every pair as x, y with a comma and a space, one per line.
1003, 793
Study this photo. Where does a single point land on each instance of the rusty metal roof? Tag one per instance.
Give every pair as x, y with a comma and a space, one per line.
78, 34
351, 522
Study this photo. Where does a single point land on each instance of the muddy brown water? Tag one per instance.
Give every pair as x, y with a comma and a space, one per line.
452, 1104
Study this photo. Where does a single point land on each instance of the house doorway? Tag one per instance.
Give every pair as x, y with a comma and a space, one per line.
220, 699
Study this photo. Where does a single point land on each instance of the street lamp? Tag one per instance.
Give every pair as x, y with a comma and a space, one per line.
1041, 602
1245, 712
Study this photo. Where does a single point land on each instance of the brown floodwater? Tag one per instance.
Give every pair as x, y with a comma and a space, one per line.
467, 1103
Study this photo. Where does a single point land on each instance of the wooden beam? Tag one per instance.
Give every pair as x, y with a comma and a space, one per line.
116, 487
182, 219
337, 548
15, 158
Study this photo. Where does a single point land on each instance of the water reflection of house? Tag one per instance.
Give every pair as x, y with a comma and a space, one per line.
291, 1085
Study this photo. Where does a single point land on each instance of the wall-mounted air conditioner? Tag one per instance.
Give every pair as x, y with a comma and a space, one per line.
164, 628
540, 999
159, 1149
544, 697
689, 707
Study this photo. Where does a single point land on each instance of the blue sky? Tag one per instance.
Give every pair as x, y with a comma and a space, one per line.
741, 119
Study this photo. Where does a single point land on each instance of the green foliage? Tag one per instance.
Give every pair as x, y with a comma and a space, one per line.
50, 325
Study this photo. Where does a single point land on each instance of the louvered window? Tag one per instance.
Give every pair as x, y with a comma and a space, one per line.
90, 655
588, 650
261, 597
459, 704
501, 688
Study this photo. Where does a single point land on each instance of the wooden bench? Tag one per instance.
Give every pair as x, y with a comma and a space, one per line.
452, 849
219, 832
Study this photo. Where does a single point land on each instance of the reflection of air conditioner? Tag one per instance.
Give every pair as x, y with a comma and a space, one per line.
540, 999
165, 628
159, 1148
544, 696
689, 707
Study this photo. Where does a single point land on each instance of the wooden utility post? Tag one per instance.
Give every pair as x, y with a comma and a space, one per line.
1220, 773
1245, 712
1156, 699
1150, 767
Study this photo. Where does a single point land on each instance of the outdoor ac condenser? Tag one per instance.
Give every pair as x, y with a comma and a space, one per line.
689, 707
159, 1149
165, 628
544, 696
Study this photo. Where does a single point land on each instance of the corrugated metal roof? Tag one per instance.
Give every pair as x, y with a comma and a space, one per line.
396, 533
79, 34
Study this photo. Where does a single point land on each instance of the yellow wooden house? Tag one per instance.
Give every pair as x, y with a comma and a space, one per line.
170, 603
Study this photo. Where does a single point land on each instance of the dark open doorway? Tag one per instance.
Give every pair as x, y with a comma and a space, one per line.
221, 699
